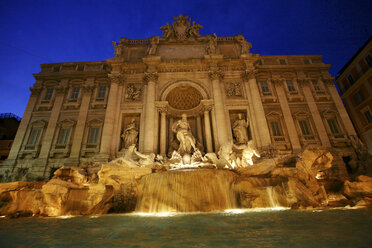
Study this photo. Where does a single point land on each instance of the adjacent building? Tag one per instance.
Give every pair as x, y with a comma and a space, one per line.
8, 128
84, 111
355, 83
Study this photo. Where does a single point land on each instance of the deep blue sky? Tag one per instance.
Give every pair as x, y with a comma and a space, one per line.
35, 32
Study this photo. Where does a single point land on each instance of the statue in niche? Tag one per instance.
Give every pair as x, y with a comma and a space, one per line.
117, 49
130, 134
240, 130
184, 135
154, 41
212, 44
245, 46
132, 92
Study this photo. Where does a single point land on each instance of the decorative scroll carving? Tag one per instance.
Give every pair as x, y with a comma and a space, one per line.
181, 29
212, 44
245, 46
116, 78
216, 75
133, 92
249, 75
150, 77
154, 41
233, 89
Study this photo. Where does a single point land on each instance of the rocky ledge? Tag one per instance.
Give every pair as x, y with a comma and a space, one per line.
296, 182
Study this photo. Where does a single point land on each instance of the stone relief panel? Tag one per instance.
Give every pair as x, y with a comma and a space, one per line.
233, 90
133, 92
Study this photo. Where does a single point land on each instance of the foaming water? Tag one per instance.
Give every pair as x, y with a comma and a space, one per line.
247, 228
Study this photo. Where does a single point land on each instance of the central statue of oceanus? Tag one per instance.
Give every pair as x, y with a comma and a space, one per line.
184, 136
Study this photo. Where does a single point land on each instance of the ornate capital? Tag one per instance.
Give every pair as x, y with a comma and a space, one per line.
116, 79
88, 88
249, 75
162, 106
207, 105
215, 75
35, 90
150, 77
328, 81
61, 89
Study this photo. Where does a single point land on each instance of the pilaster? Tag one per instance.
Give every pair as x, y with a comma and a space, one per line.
288, 119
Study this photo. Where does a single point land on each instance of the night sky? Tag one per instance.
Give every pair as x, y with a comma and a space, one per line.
36, 32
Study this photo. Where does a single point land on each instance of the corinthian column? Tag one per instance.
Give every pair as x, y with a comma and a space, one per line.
207, 128
222, 136
150, 79
258, 111
108, 125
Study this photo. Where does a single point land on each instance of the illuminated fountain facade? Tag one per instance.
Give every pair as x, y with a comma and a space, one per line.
181, 101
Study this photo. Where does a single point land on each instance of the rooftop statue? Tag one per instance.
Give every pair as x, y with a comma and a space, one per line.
181, 29
245, 45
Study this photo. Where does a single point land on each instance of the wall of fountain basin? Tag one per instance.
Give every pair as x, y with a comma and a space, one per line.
304, 181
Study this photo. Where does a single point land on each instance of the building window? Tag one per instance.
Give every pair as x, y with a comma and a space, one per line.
75, 93
101, 91
333, 126
369, 60
48, 94
305, 127
351, 79
56, 69
306, 61
290, 86
34, 137
93, 135
64, 136
282, 61
264, 86
80, 68
358, 97
368, 116
275, 128
259, 62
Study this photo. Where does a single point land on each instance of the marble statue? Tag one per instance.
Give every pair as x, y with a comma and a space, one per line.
181, 29
248, 152
212, 44
130, 134
184, 135
167, 31
154, 41
194, 29
240, 130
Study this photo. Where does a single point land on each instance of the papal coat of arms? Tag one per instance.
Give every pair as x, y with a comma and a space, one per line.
181, 29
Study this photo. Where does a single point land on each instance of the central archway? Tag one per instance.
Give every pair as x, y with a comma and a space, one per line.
184, 98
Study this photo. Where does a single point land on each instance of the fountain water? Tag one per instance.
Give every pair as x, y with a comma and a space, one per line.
272, 197
200, 190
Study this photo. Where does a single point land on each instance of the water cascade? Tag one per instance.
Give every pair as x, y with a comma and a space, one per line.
272, 197
186, 191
